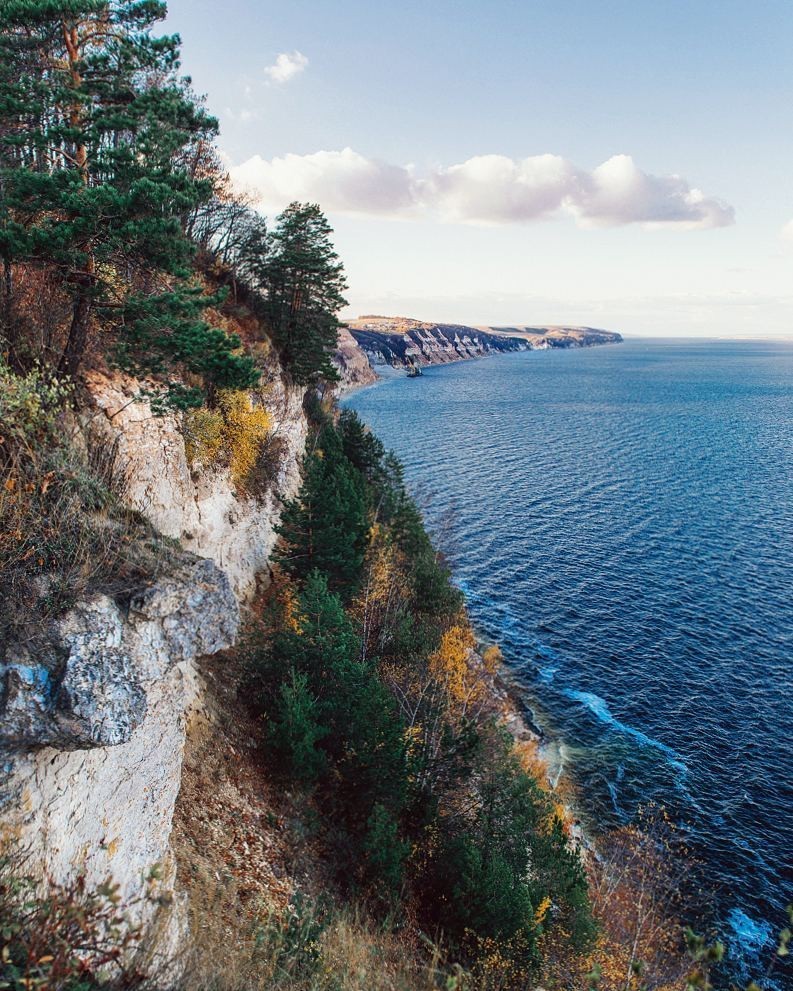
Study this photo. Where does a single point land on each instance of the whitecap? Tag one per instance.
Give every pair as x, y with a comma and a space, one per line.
599, 708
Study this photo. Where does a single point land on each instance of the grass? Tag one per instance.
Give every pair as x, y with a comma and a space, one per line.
64, 531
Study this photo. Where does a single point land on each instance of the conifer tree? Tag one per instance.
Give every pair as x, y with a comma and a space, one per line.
304, 284
325, 526
93, 120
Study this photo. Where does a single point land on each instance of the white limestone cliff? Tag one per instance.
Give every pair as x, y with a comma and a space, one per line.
92, 714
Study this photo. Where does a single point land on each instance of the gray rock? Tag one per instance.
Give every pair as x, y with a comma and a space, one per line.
87, 686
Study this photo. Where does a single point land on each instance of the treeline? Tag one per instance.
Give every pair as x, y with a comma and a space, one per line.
112, 200
374, 699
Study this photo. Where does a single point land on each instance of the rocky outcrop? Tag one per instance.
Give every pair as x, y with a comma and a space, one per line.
352, 364
204, 511
91, 732
405, 343
92, 707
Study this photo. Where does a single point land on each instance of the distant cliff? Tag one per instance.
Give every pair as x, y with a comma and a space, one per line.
403, 343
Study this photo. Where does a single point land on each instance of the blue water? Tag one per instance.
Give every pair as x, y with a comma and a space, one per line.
621, 520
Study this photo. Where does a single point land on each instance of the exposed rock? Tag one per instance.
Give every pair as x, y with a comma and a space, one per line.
406, 343
203, 511
83, 683
352, 364
92, 722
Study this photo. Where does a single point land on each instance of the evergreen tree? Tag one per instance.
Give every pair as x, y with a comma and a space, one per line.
304, 285
93, 120
325, 526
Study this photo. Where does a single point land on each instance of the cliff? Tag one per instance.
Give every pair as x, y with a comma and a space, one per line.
352, 363
406, 343
93, 703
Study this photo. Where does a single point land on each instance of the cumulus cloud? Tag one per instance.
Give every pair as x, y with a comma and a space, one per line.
342, 181
618, 192
287, 65
493, 189
787, 231
486, 189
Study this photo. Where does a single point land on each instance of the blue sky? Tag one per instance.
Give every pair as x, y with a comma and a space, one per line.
459, 150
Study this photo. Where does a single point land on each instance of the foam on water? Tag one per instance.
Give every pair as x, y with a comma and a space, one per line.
598, 707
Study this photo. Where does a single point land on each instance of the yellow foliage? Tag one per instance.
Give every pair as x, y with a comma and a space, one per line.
203, 435
493, 659
235, 431
528, 753
542, 910
449, 664
247, 427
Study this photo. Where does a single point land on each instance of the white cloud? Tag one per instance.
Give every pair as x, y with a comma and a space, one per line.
487, 189
286, 66
342, 181
618, 192
787, 231
493, 189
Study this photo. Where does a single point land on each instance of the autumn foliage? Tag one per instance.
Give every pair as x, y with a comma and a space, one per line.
374, 696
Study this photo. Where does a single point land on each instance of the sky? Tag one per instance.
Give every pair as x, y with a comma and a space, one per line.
624, 164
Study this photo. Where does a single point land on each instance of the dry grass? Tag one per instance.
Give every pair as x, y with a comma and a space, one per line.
64, 531
262, 903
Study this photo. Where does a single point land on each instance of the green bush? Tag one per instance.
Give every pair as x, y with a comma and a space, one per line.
295, 731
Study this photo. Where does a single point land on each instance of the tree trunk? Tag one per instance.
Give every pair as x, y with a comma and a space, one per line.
8, 295
78, 336
81, 306
8, 329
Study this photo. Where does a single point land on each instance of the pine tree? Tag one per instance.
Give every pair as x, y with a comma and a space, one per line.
304, 284
325, 526
94, 122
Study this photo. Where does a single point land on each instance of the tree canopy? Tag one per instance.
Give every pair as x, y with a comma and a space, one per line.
96, 133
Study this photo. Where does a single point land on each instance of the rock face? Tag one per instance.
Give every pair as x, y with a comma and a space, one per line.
92, 715
405, 343
91, 729
352, 364
204, 512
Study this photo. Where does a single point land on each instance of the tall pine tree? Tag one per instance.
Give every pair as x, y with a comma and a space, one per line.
94, 124
303, 282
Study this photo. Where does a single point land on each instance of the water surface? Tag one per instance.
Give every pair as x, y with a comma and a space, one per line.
621, 520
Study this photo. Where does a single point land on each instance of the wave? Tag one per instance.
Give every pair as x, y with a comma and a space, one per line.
599, 708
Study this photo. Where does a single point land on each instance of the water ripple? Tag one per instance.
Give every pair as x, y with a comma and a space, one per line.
620, 520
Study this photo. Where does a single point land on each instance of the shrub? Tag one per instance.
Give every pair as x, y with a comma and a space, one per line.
247, 428
235, 433
385, 851
203, 435
69, 939
63, 529
295, 730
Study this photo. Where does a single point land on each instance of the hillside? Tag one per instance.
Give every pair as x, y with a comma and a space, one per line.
403, 342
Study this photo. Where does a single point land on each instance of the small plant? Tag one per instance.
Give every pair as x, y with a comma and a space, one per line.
235, 434
203, 435
69, 939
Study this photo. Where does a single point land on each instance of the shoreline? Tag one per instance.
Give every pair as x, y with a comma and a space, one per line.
522, 724
343, 389
517, 715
